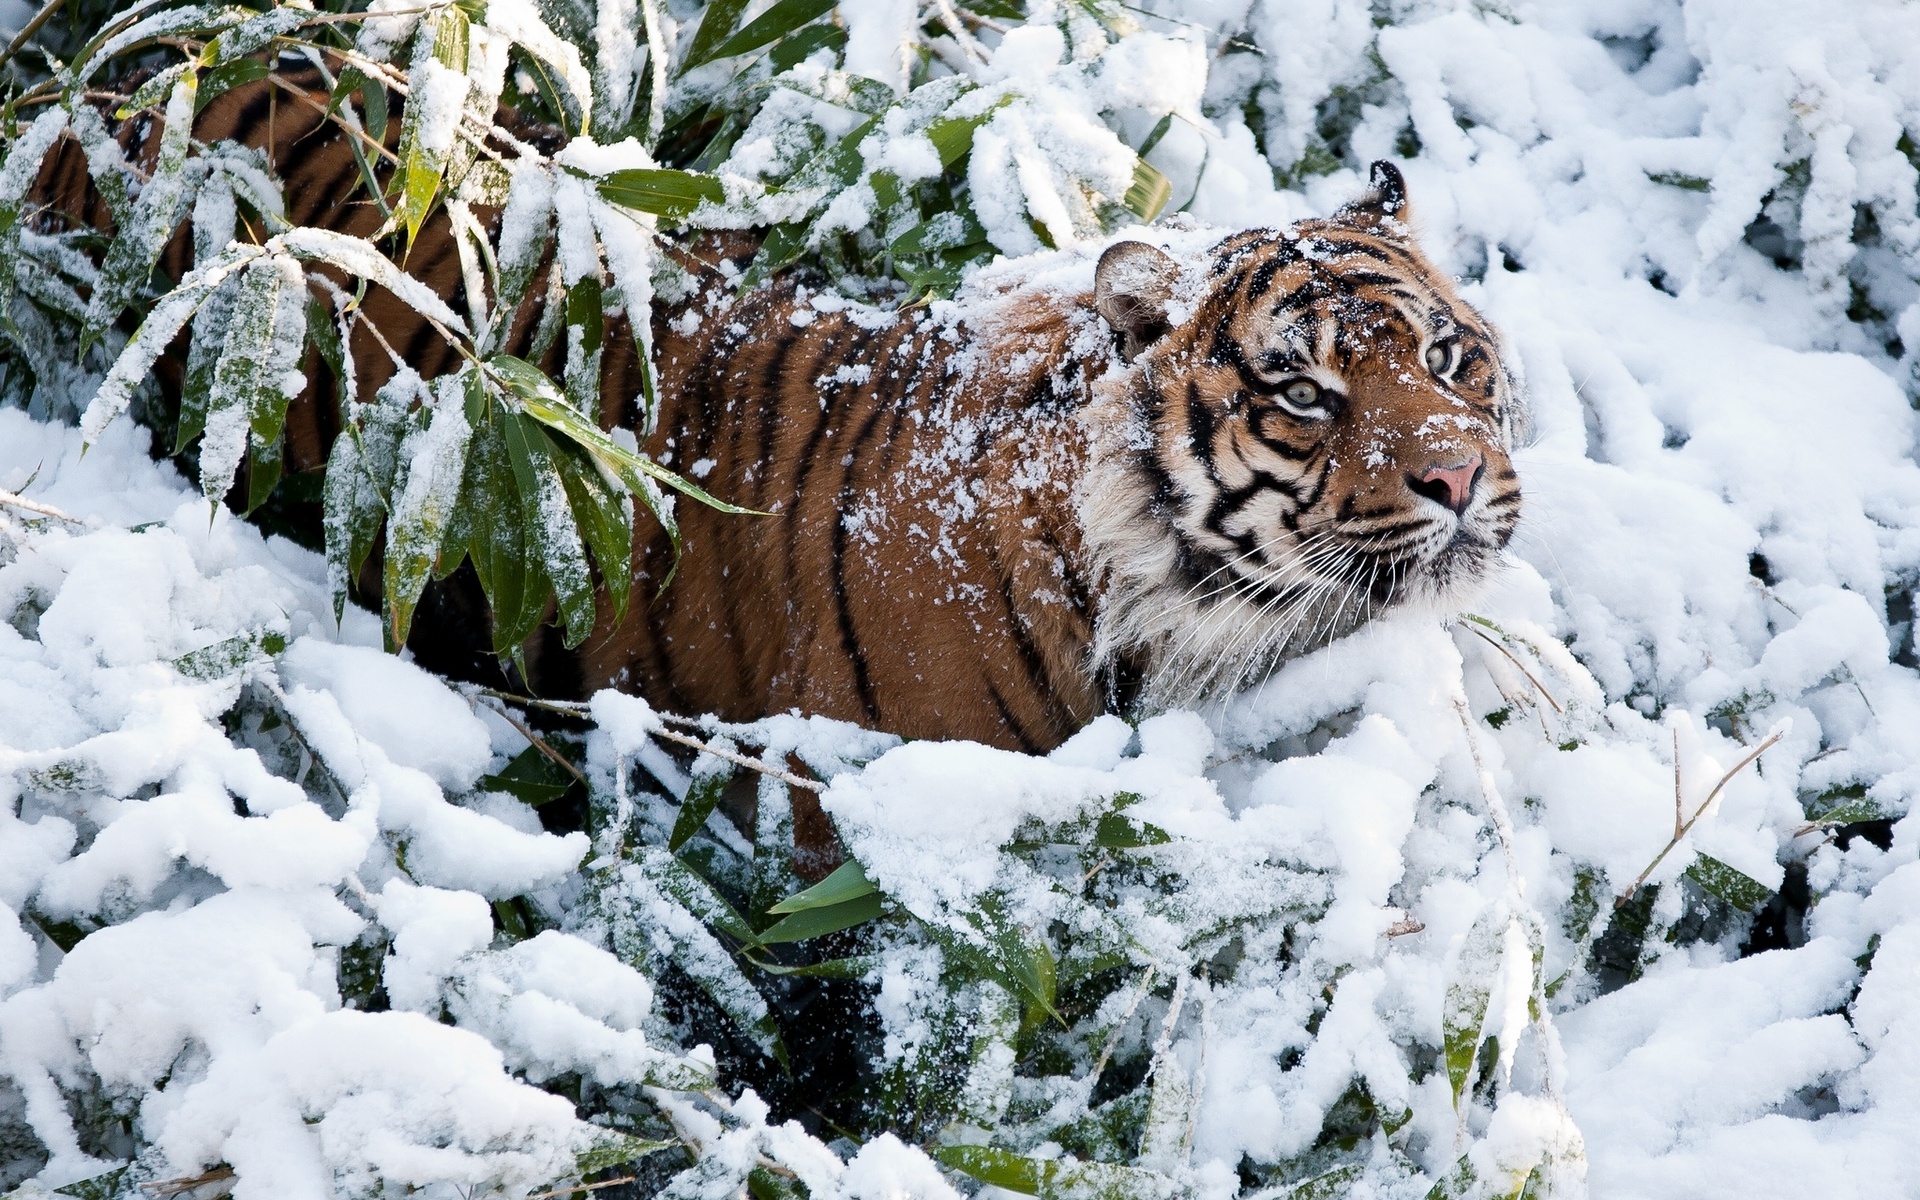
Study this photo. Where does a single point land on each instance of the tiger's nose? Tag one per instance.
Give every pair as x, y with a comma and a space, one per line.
1450, 485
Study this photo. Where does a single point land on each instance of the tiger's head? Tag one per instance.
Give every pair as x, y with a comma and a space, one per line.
1315, 429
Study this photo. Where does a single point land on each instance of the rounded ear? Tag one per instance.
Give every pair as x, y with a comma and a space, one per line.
1385, 198
1131, 287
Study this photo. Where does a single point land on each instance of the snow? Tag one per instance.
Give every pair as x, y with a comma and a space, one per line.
228, 793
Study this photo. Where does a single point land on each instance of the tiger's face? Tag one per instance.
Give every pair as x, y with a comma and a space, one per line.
1325, 436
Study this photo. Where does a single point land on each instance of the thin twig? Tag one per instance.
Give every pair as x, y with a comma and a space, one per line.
173, 1187
584, 1187
1120, 1027
1683, 830
741, 760
329, 114
574, 708
29, 29
539, 743
1677, 810
1514, 659
13, 500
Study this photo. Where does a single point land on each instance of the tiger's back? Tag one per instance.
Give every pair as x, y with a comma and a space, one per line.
918, 569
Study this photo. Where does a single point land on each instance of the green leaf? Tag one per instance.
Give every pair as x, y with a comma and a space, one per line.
1056, 1178
781, 248
540, 400
703, 796
1149, 192
952, 137
715, 24
612, 1149
1734, 886
496, 544
945, 231
226, 77
443, 37
110, 1186
684, 887
1851, 811
783, 18
819, 921
1005, 953
1464, 1014
423, 508
670, 195
605, 514
586, 326
848, 882
228, 657
143, 234
1116, 831
531, 776
795, 47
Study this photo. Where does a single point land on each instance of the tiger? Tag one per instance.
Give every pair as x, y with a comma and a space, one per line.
997, 520
1121, 482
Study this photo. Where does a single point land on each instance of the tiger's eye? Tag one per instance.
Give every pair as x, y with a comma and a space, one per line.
1302, 393
1439, 357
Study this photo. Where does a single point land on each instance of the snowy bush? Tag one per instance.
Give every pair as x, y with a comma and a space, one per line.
1606, 886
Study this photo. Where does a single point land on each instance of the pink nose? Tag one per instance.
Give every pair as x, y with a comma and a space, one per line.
1451, 486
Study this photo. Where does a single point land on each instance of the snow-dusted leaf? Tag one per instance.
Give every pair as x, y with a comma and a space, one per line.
431, 464
22, 166
437, 88
1057, 1178
547, 515
162, 324
657, 908
143, 233
1469, 992
357, 256
1731, 884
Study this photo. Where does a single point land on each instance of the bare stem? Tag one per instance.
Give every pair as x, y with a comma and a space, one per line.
1533, 679
1681, 831
13, 500
583, 1187
29, 29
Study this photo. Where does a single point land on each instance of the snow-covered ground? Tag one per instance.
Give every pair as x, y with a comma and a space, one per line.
1695, 222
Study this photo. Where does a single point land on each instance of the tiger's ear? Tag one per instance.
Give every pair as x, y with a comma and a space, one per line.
1385, 199
1131, 287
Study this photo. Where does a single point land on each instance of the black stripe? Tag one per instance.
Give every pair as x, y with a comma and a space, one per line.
1027, 744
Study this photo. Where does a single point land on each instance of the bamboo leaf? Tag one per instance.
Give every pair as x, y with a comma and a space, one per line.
433, 459
495, 542
1734, 886
1464, 1015
1056, 1178
136, 248
605, 514
818, 921
670, 195
715, 24
710, 778
437, 86
531, 777
238, 376
847, 883
783, 18
540, 400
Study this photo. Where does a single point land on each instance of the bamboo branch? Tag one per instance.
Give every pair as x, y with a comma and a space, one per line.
1681, 831
29, 29
13, 500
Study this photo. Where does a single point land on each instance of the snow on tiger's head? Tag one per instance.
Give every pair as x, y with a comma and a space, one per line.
1314, 428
